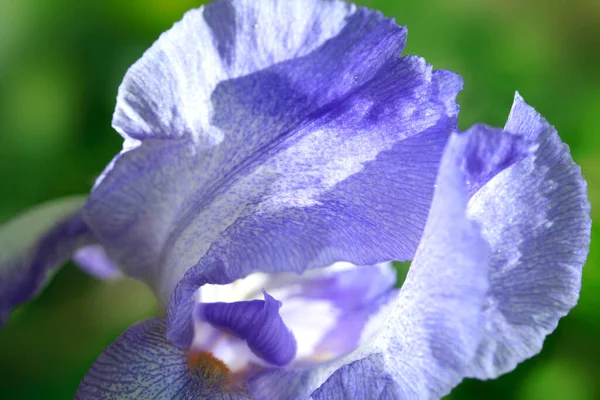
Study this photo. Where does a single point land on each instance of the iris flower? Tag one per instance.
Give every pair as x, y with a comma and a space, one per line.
277, 156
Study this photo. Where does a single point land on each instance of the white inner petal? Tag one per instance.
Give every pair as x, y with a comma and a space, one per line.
309, 321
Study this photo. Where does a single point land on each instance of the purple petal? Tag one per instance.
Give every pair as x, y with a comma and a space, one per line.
258, 323
277, 152
285, 216
94, 260
536, 217
435, 326
182, 88
141, 364
34, 245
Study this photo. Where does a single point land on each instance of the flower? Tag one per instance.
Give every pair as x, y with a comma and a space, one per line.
265, 141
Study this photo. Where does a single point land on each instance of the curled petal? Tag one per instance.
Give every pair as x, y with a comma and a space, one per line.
536, 217
34, 244
433, 329
256, 321
141, 364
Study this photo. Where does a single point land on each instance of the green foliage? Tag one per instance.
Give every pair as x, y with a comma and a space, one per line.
61, 64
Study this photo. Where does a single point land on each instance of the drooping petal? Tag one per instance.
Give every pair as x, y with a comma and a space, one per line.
34, 244
245, 152
141, 364
536, 217
258, 323
94, 260
434, 329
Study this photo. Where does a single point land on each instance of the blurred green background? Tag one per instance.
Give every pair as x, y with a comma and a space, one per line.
61, 62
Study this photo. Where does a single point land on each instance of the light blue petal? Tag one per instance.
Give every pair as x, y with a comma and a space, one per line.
181, 89
94, 260
436, 324
536, 217
141, 364
33, 246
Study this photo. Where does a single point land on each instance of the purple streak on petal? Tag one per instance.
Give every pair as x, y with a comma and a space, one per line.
357, 221
94, 260
489, 152
141, 364
536, 217
33, 246
258, 323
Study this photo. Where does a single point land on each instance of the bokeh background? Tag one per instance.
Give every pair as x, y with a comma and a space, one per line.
61, 62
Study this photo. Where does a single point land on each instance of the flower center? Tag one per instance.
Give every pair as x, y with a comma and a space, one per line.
323, 314
213, 371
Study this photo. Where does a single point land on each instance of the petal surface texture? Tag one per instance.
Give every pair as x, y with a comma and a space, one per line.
257, 322
141, 364
536, 217
270, 136
434, 327
361, 379
34, 244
